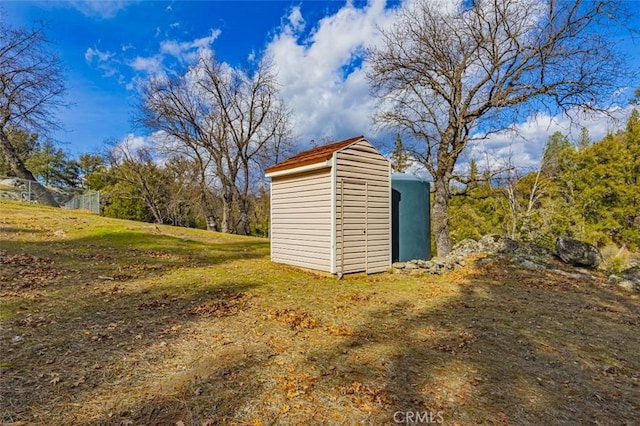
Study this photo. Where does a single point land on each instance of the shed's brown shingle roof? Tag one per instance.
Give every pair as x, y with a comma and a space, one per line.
312, 156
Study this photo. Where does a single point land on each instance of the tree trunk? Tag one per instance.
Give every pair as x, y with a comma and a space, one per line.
206, 200
209, 213
19, 169
227, 203
211, 223
155, 211
244, 227
440, 218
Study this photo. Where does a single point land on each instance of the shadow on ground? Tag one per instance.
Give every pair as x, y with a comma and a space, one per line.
511, 347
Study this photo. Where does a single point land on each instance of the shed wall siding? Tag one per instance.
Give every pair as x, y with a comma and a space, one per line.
301, 219
366, 224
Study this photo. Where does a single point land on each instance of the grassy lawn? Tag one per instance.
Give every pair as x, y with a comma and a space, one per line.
105, 321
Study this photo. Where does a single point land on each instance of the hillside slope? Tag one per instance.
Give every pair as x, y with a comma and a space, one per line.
106, 321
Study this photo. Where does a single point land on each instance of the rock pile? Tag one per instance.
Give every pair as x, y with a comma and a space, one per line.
12, 189
581, 256
531, 256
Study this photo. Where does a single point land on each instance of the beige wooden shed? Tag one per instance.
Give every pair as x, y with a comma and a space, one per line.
331, 209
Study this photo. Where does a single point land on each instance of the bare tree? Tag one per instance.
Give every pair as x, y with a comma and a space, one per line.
522, 195
226, 120
186, 127
135, 165
450, 74
255, 120
31, 89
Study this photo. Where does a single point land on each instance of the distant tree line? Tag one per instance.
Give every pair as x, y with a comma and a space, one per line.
136, 185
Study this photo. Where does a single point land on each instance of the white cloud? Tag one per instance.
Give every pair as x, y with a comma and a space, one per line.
101, 9
150, 65
296, 21
160, 63
321, 75
131, 71
132, 145
103, 61
187, 50
92, 53
134, 142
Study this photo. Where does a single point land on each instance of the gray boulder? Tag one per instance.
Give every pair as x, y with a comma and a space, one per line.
532, 249
492, 243
578, 253
466, 247
11, 182
632, 273
532, 266
497, 244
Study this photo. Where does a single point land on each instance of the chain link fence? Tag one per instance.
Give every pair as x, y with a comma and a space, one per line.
88, 201
17, 189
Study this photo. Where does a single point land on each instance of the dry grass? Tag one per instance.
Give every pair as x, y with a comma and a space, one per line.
115, 322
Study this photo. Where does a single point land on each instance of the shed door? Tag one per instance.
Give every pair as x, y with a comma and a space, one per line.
353, 226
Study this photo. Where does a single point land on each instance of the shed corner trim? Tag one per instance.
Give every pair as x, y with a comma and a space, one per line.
332, 238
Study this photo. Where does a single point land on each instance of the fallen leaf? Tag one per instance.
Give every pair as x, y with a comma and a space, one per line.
55, 378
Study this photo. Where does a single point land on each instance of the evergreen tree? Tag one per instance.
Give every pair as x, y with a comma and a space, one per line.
475, 212
584, 140
553, 151
51, 166
399, 156
608, 187
633, 149
124, 201
633, 129
635, 99
88, 165
474, 175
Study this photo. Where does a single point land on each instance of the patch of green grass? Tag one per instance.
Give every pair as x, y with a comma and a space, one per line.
9, 309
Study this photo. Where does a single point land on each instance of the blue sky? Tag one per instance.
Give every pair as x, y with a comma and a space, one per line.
109, 46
